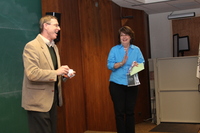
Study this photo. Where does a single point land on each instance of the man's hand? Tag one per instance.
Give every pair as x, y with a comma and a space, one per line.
63, 70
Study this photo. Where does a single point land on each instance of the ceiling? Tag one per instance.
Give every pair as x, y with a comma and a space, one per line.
159, 7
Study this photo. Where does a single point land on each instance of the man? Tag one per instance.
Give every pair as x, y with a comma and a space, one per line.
41, 92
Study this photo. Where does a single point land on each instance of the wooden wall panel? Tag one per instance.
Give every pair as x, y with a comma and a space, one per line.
89, 29
116, 22
97, 39
71, 55
72, 115
139, 24
188, 27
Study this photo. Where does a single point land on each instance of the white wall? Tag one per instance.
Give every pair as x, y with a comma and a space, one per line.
160, 29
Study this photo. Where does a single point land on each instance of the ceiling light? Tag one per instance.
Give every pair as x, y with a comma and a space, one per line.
151, 1
183, 15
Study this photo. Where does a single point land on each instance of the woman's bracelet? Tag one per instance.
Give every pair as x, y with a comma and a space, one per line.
120, 64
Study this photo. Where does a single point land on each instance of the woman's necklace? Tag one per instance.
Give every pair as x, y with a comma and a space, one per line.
126, 49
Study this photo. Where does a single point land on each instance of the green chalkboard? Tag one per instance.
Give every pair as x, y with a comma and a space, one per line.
18, 25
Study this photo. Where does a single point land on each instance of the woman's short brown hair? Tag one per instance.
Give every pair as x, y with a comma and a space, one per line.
127, 30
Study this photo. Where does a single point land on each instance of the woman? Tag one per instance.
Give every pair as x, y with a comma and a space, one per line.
120, 59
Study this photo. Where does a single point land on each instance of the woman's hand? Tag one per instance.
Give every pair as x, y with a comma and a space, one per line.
134, 64
119, 64
125, 58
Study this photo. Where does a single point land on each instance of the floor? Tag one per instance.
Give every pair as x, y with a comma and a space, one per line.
144, 127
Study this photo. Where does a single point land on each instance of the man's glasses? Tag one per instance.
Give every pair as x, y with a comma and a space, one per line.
56, 25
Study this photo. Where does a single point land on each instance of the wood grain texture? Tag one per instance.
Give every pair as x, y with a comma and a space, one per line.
89, 29
188, 27
72, 115
97, 39
139, 24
